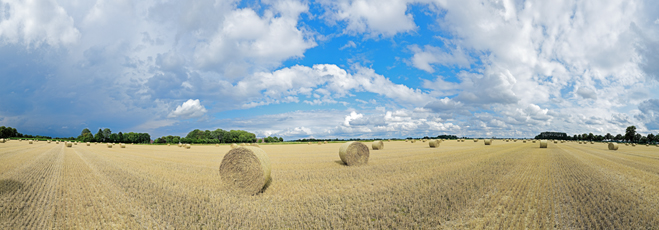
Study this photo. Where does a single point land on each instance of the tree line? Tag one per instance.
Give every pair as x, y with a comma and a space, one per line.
217, 136
106, 135
630, 136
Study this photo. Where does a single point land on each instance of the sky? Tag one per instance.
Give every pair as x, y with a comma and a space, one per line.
330, 69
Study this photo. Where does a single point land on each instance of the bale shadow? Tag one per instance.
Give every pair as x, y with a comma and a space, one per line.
265, 187
8, 186
340, 162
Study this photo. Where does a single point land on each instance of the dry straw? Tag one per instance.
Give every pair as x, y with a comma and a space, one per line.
533, 141
475, 140
243, 144
378, 145
308, 143
634, 144
555, 142
75, 143
180, 145
325, 142
487, 141
217, 145
255, 145
613, 146
433, 143
123, 146
354, 153
168, 144
543, 144
320, 143
89, 144
245, 170
233, 146
109, 145
2, 140
30, 142
389, 140
524, 141
68, 144
187, 146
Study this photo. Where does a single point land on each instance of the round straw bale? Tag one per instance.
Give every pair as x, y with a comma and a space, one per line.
217, 145
233, 146
243, 144
168, 144
507, 140
354, 153
2, 140
325, 142
487, 141
555, 142
123, 146
30, 142
320, 143
378, 145
389, 140
524, 141
543, 144
75, 143
57, 142
613, 146
626, 144
245, 170
533, 141
68, 144
413, 141
109, 145
433, 143
180, 145
89, 144
308, 143
634, 144
463, 140
405, 140
255, 145
187, 146
475, 140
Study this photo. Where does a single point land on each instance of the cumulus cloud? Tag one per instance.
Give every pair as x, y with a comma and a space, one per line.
35, 22
373, 17
189, 109
424, 58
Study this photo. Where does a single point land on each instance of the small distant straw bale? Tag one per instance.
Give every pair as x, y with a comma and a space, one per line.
123, 146
487, 141
613, 146
543, 144
433, 143
378, 145
109, 145
68, 144
233, 146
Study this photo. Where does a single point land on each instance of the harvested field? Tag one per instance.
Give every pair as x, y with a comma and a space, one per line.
458, 185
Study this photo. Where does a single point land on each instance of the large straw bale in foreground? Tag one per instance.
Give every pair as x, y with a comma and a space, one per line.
245, 170
613, 146
487, 141
109, 145
378, 145
123, 146
89, 144
354, 153
433, 143
30, 142
69, 144
187, 146
543, 144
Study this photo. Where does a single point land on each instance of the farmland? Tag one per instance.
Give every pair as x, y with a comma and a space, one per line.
505, 185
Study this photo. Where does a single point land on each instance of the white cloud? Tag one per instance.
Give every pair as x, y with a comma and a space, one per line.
189, 109
350, 44
353, 116
429, 55
35, 22
246, 40
373, 17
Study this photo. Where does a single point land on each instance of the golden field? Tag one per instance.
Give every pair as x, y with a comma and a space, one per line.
507, 185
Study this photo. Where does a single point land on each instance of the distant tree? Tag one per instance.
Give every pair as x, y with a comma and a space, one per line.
643, 139
618, 137
630, 133
574, 138
608, 136
637, 137
591, 137
281, 139
99, 136
120, 137
85, 131
106, 134
651, 138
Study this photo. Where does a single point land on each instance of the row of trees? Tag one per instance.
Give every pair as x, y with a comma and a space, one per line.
7, 132
214, 137
630, 136
106, 135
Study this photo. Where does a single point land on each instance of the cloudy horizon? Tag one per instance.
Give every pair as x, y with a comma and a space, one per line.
330, 69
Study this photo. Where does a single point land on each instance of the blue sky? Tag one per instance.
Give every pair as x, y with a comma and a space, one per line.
330, 69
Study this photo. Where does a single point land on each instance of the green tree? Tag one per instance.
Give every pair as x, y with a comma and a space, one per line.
120, 137
99, 136
591, 137
651, 138
85, 131
608, 136
618, 137
630, 133
106, 134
